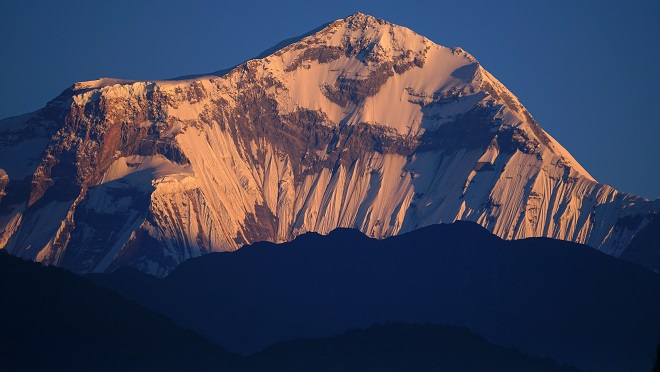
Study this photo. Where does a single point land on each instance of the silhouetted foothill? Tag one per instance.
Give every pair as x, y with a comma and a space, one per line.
51, 319
56, 321
542, 296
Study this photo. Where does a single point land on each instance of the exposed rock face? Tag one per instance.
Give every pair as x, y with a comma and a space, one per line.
363, 124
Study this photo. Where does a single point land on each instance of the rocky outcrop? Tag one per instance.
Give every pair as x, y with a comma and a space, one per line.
363, 124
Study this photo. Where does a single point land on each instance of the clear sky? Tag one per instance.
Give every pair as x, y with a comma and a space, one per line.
586, 70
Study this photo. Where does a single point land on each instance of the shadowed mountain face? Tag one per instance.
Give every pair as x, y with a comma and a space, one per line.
52, 320
545, 297
360, 124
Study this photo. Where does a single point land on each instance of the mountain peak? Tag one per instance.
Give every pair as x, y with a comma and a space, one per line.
361, 124
360, 19
363, 35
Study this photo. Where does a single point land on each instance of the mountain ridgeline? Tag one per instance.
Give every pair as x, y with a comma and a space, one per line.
361, 124
57, 321
544, 297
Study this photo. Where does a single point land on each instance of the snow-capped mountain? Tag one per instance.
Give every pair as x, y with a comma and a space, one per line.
362, 124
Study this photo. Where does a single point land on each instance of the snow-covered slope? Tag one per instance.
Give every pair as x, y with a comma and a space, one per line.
362, 124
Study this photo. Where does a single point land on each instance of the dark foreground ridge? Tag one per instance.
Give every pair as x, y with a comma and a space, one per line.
52, 320
544, 297
399, 347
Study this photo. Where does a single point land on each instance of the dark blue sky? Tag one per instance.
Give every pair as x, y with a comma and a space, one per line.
586, 70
